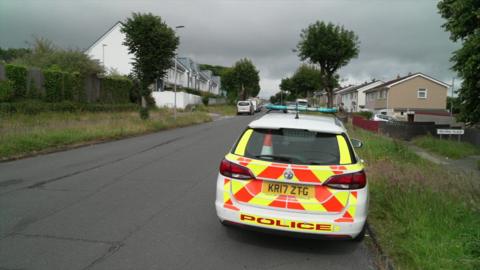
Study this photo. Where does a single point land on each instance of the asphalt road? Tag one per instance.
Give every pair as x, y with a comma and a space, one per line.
142, 203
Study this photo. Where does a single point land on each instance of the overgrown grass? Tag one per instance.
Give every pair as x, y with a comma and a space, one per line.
425, 217
22, 134
447, 148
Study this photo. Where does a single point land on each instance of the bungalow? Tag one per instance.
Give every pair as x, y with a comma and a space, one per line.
409, 94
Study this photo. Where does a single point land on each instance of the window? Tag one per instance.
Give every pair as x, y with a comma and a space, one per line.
295, 146
422, 93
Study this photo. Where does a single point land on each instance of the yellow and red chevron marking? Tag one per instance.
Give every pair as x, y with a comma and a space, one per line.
349, 214
313, 174
325, 200
227, 201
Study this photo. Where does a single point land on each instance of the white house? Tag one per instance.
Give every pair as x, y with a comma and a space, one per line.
110, 52
113, 55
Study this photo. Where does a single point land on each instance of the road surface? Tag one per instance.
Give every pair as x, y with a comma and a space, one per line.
142, 203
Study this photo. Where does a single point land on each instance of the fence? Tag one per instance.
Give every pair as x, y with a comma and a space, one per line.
365, 124
92, 84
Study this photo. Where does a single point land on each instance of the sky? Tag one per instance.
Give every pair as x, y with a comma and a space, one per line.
396, 36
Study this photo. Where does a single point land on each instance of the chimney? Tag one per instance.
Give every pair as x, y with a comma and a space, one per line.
398, 76
409, 73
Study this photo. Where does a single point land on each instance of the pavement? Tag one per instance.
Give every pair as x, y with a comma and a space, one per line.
143, 203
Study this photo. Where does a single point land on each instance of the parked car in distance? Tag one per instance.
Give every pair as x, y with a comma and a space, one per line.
245, 106
382, 118
302, 102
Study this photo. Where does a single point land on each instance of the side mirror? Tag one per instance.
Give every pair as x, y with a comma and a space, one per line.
356, 143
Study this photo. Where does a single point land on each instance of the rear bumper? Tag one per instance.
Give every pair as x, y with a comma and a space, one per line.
291, 222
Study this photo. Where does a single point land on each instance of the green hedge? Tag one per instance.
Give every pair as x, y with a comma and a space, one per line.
115, 90
34, 107
6, 91
53, 85
18, 75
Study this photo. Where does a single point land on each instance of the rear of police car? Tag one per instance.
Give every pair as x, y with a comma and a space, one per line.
294, 175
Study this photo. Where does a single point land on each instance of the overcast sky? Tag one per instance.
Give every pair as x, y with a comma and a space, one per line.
396, 37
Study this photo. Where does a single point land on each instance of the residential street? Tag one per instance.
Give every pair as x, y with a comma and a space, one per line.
142, 203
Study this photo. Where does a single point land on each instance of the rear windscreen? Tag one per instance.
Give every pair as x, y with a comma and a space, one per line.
243, 103
294, 146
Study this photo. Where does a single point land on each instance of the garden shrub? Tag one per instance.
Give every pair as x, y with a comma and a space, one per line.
365, 114
205, 100
53, 85
18, 76
115, 89
6, 91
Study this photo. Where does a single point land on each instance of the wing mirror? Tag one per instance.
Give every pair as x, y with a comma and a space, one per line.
356, 143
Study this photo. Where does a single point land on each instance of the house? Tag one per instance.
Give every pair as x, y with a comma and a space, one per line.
109, 50
414, 93
353, 98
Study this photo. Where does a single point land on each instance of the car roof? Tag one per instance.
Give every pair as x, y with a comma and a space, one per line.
315, 123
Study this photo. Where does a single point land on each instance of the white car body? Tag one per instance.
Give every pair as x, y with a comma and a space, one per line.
382, 118
315, 220
244, 106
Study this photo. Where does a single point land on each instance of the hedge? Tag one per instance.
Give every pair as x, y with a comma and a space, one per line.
18, 76
6, 91
198, 92
53, 85
34, 107
115, 90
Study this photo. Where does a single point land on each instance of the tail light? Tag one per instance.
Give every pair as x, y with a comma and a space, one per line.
230, 169
347, 181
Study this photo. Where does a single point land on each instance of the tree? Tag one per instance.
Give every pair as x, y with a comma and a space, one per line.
330, 47
45, 54
464, 25
242, 80
306, 80
11, 54
153, 44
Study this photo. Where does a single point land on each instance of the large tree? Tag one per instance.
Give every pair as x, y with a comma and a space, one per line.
306, 80
242, 80
330, 47
463, 23
153, 44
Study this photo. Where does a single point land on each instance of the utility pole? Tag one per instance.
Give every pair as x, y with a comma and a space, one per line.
451, 99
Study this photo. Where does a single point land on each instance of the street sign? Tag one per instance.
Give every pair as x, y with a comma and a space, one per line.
450, 131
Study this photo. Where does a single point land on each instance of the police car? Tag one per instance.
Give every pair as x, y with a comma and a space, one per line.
294, 174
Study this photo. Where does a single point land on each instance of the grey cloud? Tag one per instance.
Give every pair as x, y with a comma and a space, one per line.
396, 37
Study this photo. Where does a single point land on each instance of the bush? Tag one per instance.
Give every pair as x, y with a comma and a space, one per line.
364, 114
115, 89
6, 91
18, 76
53, 85
144, 113
205, 100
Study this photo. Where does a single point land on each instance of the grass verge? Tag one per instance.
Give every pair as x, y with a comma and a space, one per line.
22, 135
447, 148
425, 217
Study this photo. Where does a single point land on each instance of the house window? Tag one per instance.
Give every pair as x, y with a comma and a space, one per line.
422, 93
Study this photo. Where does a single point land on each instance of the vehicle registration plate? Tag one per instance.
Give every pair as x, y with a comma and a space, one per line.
301, 191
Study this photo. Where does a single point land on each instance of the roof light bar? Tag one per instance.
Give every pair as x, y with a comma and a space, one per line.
300, 108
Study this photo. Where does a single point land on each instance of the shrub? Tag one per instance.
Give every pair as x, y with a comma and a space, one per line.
53, 85
18, 75
6, 91
205, 100
144, 114
365, 114
115, 89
